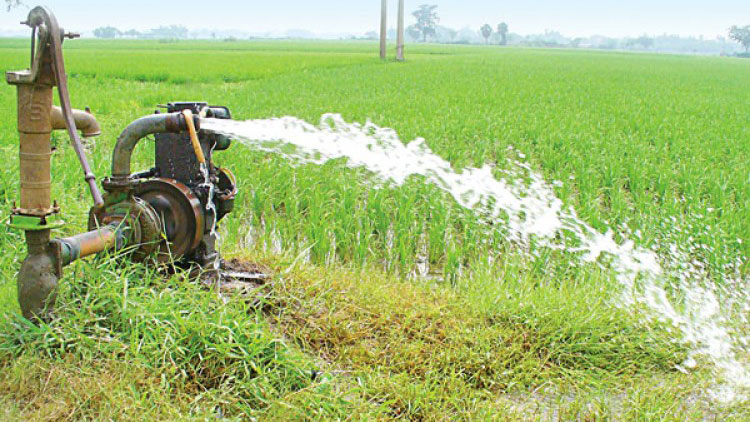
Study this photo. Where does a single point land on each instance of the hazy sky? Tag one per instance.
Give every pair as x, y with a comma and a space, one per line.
572, 17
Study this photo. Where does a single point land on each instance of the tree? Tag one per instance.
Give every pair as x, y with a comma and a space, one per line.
502, 29
12, 3
741, 34
413, 32
486, 31
169, 32
106, 32
646, 41
132, 33
427, 18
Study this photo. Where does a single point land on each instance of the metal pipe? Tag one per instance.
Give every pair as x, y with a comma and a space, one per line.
42, 268
93, 242
35, 150
194, 136
84, 120
149, 125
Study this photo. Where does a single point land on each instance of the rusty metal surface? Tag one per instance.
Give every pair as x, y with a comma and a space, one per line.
35, 155
47, 69
35, 150
84, 120
91, 242
42, 268
61, 78
137, 130
180, 212
137, 223
38, 277
35, 113
175, 158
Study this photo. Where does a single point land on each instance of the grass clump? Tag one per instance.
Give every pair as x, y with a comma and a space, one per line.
186, 338
439, 352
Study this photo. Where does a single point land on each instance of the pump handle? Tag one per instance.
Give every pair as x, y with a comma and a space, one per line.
52, 38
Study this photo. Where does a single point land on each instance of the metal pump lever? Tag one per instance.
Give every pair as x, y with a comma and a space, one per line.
39, 16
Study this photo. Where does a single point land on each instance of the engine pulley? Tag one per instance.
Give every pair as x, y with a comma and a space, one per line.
180, 213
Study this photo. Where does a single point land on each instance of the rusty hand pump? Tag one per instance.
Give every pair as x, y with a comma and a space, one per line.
166, 214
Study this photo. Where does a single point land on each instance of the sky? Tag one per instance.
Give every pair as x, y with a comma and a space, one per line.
572, 18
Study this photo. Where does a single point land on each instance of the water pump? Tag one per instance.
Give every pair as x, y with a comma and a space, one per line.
166, 214
179, 201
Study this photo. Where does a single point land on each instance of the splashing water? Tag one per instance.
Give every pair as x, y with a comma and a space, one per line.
211, 208
704, 316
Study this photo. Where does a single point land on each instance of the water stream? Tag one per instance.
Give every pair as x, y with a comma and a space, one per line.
707, 314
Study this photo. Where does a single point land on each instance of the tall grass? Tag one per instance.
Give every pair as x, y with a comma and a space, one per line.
634, 139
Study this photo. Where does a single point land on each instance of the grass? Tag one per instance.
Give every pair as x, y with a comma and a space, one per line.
348, 335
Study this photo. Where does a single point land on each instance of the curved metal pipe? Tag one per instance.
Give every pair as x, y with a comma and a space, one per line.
85, 121
194, 136
149, 125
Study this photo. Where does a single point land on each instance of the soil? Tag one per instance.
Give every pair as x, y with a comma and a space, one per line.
243, 278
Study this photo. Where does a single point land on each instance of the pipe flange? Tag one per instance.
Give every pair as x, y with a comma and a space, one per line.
117, 184
151, 238
35, 223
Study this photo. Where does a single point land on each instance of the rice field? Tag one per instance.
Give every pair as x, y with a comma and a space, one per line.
654, 147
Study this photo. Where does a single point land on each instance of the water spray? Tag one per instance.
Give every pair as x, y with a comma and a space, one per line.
532, 214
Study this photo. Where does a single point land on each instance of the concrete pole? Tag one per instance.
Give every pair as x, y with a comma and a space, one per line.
383, 27
400, 41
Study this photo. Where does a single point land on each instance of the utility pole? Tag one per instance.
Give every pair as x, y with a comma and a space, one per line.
383, 27
400, 40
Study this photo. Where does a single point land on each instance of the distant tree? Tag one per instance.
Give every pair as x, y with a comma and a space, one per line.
413, 33
486, 31
427, 19
444, 34
169, 32
132, 33
371, 35
645, 41
13, 3
741, 34
106, 32
502, 29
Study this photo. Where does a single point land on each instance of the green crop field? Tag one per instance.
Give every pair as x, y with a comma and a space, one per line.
654, 145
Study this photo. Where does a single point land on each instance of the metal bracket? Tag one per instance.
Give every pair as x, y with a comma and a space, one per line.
35, 223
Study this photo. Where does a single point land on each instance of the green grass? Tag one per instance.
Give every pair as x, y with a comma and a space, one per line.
644, 137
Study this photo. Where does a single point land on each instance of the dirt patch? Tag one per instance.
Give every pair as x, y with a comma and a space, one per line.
239, 278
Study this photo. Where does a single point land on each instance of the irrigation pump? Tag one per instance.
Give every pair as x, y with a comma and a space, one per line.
167, 214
